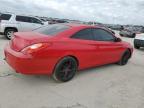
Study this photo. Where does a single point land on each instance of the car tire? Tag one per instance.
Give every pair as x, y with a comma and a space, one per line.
136, 47
65, 69
125, 58
9, 33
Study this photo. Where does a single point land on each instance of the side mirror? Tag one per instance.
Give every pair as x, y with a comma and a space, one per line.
118, 40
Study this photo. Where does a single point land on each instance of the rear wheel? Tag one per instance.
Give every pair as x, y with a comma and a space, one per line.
65, 70
9, 33
125, 58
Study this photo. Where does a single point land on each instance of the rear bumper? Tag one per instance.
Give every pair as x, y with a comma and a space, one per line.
26, 64
139, 43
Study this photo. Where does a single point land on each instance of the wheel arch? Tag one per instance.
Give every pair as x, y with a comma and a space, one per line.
64, 57
10, 28
120, 62
130, 51
74, 58
69, 55
127, 49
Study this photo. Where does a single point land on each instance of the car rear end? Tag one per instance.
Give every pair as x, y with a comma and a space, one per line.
33, 52
17, 60
23, 53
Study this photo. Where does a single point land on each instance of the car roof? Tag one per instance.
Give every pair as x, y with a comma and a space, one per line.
19, 14
77, 25
73, 28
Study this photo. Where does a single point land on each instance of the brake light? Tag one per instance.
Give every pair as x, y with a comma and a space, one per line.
35, 47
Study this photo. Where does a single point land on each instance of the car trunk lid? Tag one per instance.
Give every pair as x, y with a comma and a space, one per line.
24, 39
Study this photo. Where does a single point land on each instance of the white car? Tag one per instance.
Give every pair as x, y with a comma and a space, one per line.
10, 23
139, 41
127, 33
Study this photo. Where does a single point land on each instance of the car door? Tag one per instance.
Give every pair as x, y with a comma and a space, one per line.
24, 23
109, 50
85, 48
35, 23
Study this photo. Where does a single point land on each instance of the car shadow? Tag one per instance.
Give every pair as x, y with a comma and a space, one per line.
44, 79
141, 49
95, 69
2, 37
34, 79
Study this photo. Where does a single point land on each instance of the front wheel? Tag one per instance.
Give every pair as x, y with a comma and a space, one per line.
65, 70
125, 58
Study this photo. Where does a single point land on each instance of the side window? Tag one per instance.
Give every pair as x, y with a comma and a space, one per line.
102, 35
34, 20
5, 16
23, 19
85, 34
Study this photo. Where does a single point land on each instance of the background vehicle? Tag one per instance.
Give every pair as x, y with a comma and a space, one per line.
57, 21
127, 33
139, 41
62, 49
10, 23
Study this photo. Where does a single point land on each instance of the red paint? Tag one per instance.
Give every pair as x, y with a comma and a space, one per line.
51, 49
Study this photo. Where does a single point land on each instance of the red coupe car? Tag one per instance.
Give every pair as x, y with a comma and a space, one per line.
62, 49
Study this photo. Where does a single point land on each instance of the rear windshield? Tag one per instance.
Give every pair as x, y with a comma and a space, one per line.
52, 29
5, 16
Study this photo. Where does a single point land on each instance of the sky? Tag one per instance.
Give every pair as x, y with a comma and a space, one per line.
104, 11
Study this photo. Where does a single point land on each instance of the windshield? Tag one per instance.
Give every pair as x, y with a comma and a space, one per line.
52, 29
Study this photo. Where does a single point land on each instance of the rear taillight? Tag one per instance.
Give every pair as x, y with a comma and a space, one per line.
35, 47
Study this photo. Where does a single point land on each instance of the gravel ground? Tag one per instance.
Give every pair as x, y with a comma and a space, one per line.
109, 86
